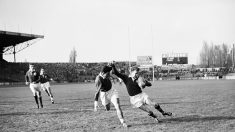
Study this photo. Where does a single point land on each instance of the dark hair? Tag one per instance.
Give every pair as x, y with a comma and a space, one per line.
106, 69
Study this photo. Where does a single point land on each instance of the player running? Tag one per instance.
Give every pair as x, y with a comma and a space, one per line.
32, 79
107, 93
139, 99
45, 84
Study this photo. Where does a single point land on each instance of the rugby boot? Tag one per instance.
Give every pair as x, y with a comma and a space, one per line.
163, 112
157, 120
36, 100
167, 114
155, 117
40, 99
124, 125
52, 100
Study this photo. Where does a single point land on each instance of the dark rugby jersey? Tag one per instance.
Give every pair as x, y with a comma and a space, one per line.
132, 86
32, 77
44, 78
103, 83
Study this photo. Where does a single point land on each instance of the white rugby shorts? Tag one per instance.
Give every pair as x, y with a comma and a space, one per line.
34, 87
45, 86
140, 99
109, 96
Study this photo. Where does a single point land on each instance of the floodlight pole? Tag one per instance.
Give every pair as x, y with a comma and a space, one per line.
129, 42
14, 52
233, 58
152, 50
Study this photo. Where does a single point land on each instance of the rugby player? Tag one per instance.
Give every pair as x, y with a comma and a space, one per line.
45, 84
139, 99
107, 93
32, 79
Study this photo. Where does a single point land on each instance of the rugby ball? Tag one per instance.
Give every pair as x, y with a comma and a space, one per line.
141, 82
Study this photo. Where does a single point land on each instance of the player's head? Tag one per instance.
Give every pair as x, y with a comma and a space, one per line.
134, 72
42, 71
106, 71
31, 67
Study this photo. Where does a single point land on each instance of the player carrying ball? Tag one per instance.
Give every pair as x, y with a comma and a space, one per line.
107, 93
139, 99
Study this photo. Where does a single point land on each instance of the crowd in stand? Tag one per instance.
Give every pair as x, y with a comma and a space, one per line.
86, 72
60, 72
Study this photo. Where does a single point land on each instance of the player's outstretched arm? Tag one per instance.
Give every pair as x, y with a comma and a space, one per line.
98, 86
49, 78
96, 100
26, 79
118, 74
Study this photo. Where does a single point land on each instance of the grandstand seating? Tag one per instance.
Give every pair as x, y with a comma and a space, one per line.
86, 72
60, 72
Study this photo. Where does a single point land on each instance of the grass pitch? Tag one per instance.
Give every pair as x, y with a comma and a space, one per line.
198, 105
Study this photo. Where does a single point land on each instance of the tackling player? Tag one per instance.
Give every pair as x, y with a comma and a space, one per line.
32, 79
139, 99
45, 85
107, 93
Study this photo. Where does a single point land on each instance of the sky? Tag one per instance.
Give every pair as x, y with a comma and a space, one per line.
119, 30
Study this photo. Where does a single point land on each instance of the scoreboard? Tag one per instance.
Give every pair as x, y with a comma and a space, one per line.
144, 60
174, 58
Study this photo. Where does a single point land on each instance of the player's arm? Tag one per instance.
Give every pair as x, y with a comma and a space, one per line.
112, 78
118, 74
49, 78
97, 93
98, 86
26, 78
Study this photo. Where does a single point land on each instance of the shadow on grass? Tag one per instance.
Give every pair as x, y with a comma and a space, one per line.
46, 113
79, 99
179, 102
190, 118
195, 118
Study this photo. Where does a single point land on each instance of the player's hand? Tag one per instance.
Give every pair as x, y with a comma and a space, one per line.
96, 106
112, 63
26, 83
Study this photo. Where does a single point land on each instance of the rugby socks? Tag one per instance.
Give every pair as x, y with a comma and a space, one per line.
122, 120
36, 100
159, 108
47, 92
52, 100
152, 114
163, 112
40, 99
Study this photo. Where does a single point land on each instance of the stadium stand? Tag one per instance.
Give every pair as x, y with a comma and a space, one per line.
86, 72
60, 72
